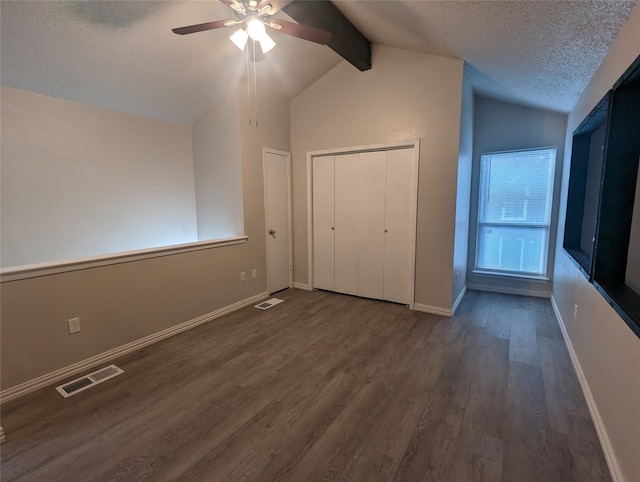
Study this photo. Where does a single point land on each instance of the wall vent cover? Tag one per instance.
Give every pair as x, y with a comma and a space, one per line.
88, 381
265, 305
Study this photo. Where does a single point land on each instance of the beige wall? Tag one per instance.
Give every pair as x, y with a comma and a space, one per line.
272, 132
79, 180
406, 95
217, 167
121, 303
607, 350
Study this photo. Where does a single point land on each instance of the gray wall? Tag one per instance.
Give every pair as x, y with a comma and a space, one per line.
463, 190
606, 351
499, 126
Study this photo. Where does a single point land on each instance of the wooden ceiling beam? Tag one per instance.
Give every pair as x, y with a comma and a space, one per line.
346, 39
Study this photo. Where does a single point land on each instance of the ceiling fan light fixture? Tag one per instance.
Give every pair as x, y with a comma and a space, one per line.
266, 43
256, 29
239, 38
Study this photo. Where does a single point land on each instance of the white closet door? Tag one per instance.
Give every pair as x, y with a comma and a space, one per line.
347, 171
323, 222
399, 247
370, 204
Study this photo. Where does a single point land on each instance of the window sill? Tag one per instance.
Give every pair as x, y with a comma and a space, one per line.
44, 269
497, 274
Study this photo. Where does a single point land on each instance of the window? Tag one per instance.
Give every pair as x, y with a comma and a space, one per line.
514, 211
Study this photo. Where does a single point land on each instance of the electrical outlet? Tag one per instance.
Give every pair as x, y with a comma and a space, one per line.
74, 325
575, 312
242, 276
254, 273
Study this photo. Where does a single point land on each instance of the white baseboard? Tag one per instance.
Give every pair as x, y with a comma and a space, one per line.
436, 310
458, 300
509, 291
302, 286
612, 461
68, 371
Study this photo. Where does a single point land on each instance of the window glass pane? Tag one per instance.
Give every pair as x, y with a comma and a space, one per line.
518, 249
516, 186
514, 211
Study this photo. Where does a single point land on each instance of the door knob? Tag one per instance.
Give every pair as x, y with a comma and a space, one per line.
272, 232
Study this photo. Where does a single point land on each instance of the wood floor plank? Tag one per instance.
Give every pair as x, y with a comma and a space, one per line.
237, 457
568, 411
527, 434
523, 343
475, 308
303, 433
332, 456
485, 410
408, 374
325, 387
475, 457
181, 448
498, 317
434, 437
454, 380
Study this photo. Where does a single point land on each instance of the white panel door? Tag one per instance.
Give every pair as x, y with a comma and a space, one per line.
399, 252
370, 205
323, 222
277, 202
347, 172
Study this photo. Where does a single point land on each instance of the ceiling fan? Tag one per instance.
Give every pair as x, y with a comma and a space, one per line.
253, 16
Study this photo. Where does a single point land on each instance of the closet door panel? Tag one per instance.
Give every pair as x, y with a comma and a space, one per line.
370, 204
400, 208
323, 222
346, 221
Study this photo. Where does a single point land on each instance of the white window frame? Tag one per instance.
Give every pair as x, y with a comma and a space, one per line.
515, 222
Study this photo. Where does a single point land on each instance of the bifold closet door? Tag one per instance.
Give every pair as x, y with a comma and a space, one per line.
347, 170
400, 225
370, 205
323, 222
364, 223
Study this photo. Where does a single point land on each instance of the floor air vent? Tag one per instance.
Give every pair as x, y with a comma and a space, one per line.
265, 305
82, 383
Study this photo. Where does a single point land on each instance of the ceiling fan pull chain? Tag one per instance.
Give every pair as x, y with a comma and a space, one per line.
255, 87
248, 85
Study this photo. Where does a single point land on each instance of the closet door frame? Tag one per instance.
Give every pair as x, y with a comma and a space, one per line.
407, 144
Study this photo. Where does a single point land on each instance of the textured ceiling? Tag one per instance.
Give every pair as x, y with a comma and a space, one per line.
540, 53
122, 54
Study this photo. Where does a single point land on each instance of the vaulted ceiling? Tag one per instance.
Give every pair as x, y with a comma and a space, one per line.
122, 54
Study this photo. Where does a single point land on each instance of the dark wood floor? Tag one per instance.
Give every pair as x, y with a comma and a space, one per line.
326, 387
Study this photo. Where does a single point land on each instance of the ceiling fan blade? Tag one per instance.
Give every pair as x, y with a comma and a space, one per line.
202, 27
275, 5
305, 32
